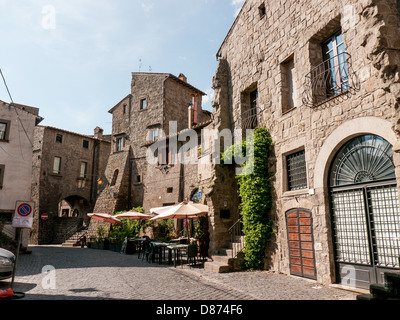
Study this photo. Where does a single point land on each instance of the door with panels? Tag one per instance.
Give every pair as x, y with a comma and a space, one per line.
301, 243
365, 211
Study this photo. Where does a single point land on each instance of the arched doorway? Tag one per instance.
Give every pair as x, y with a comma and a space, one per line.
365, 211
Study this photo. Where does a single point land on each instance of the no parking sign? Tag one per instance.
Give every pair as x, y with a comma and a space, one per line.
23, 216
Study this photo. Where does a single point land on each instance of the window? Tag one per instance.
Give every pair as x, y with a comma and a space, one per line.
262, 11
59, 138
125, 109
115, 177
296, 171
4, 130
143, 104
2, 167
250, 108
83, 172
154, 134
138, 179
85, 144
335, 64
253, 108
57, 165
170, 190
120, 143
287, 70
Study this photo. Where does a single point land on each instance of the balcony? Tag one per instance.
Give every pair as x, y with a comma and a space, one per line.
333, 78
251, 119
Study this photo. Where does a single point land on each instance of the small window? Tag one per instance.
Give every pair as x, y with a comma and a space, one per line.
83, 172
85, 144
59, 138
57, 165
125, 109
143, 104
262, 11
2, 167
287, 71
138, 179
296, 171
170, 190
115, 177
4, 130
154, 134
120, 144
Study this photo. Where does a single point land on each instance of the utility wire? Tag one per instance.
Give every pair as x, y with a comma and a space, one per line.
12, 104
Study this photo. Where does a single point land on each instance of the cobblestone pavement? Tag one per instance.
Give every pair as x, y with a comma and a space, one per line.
87, 274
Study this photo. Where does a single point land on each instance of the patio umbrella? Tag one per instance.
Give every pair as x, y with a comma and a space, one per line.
160, 210
105, 217
184, 210
133, 215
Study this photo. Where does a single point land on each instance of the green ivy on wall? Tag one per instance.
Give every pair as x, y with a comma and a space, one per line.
255, 191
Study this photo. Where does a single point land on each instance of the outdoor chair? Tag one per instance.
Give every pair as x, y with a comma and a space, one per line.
191, 254
146, 249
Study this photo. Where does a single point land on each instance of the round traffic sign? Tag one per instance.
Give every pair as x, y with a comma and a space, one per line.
44, 216
24, 210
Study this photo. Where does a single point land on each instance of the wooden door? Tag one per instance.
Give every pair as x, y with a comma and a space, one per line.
301, 243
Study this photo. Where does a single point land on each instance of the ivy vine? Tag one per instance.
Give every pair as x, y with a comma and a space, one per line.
255, 191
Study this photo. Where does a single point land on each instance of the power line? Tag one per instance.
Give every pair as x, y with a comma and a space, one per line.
16, 111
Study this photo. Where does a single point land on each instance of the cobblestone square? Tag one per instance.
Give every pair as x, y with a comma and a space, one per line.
88, 274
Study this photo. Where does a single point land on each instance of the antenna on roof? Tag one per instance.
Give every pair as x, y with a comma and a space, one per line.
140, 64
150, 69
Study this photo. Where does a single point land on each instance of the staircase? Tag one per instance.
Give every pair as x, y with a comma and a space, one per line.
75, 240
389, 291
227, 259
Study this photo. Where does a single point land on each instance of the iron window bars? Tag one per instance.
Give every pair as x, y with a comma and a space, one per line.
366, 224
296, 171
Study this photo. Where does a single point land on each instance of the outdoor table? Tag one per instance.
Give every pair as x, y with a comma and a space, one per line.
161, 246
176, 248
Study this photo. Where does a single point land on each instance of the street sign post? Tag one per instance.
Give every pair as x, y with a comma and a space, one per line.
23, 219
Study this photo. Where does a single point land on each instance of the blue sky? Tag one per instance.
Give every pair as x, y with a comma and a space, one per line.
73, 59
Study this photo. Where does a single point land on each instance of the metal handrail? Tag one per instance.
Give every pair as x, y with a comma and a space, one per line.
236, 231
332, 78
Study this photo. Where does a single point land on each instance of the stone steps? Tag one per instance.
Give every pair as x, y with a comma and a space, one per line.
222, 262
74, 240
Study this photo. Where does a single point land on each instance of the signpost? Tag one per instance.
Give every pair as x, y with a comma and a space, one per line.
23, 219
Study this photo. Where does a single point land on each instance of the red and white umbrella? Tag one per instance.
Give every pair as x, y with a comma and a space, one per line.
133, 215
105, 217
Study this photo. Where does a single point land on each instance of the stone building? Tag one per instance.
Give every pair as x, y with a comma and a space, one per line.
323, 78
156, 102
66, 171
17, 125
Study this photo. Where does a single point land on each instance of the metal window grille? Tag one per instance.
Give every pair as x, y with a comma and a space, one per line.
384, 215
366, 224
297, 171
350, 226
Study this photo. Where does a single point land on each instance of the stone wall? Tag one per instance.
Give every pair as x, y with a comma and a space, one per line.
253, 55
50, 188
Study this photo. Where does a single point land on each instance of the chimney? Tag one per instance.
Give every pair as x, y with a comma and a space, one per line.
182, 77
98, 133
